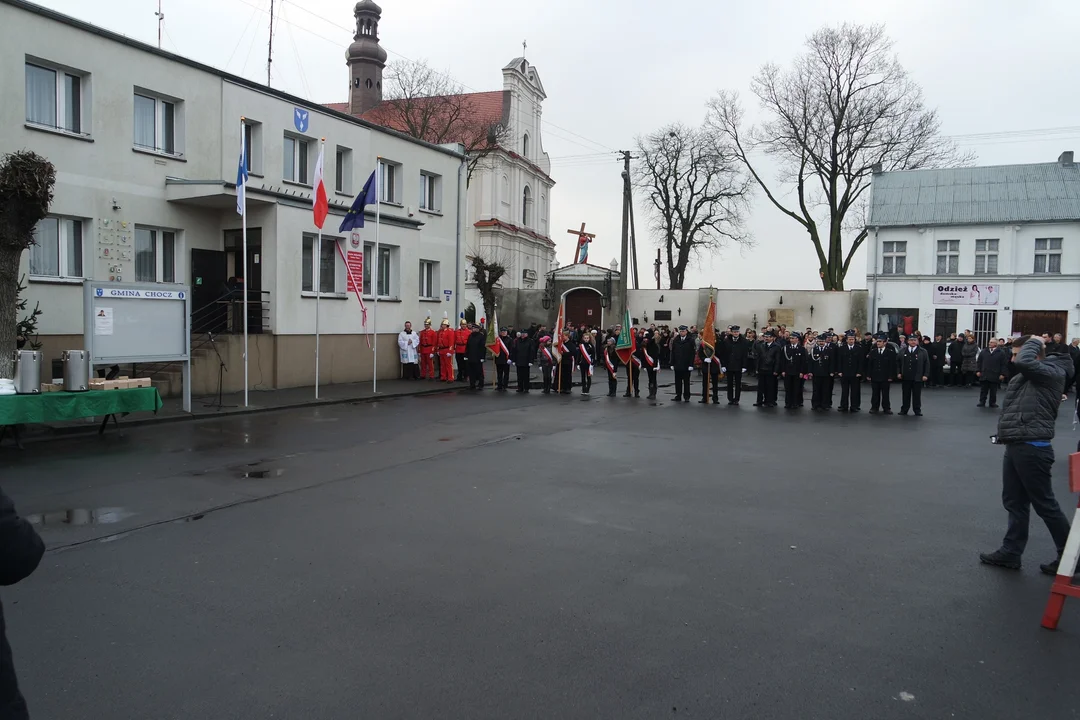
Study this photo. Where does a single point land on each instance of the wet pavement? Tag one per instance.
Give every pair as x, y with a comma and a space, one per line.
504, 556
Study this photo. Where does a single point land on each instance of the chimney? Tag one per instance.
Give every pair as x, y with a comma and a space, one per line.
1066, 159
876, 168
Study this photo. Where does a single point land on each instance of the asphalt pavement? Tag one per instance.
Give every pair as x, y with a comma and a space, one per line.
464, 555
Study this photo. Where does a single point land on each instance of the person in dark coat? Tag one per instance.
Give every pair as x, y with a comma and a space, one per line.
993, 366
850, 368
881, 367
568, 351
768, 370
956, 361
586, 358
792, 364
822, 366
502, 361
524, 350
475, 349
547, 363
937, 352
649, 355
710, 374
20, 552
734, 355
682, 359
611, 365
1026, 429
969, 361
914, 371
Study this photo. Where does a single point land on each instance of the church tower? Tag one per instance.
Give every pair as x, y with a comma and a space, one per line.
366, 59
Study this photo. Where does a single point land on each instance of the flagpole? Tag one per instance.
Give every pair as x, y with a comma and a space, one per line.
244, 250
375, 279
318, 294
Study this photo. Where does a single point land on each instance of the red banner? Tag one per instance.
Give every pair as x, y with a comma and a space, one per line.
355, 263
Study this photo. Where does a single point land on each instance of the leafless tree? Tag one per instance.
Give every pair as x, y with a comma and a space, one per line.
489, 267
844, 107
698, 194
429, 105
26, 191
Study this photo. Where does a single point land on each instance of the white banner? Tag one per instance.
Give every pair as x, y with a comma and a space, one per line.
140, 294
974, 294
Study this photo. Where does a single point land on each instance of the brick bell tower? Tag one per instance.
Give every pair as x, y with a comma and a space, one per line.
366, 59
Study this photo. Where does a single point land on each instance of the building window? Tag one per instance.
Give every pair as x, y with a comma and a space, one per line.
253, 147
156, 124
389, 177
948, 257
429, 276
327, 264
58, 248
155, 255
526, 206
525, 146
296, 155
430, 192
944, 321
1048, 255
986, 259
894, 258
343, 170
504, 191
54, 98
384, 275
984, 325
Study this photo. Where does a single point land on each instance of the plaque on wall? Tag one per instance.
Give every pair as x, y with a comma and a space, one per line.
782, 316
115, 252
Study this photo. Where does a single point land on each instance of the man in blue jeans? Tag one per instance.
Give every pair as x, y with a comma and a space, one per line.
1026, 427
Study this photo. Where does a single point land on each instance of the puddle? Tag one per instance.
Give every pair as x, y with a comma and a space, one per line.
257, 470
80, 516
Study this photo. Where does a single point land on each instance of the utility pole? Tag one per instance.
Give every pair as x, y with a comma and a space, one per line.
633, 231
625, 253
160, 23
270, 45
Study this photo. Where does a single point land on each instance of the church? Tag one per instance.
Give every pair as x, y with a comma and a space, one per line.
508, 174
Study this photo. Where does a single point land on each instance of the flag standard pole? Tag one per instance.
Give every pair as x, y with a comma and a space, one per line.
375, 279
318, 294
244, 250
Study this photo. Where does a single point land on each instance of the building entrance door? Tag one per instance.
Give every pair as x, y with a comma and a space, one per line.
209, 270
1037, 322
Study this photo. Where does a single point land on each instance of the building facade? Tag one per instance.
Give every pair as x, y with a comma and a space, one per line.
994, 250
509, 172
146, 147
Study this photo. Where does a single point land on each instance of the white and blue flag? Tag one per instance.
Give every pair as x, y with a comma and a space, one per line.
241, 183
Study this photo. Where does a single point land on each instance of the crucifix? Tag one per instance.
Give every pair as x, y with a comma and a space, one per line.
524, 46
584, 238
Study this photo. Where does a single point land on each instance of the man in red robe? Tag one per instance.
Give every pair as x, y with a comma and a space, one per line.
461, 338
447, 345
428, 340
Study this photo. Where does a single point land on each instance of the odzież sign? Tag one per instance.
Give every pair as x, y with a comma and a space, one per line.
974, 294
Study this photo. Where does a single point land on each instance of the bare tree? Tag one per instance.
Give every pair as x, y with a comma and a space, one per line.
845, 107
489, 268
26, 191
698, 194
431, 106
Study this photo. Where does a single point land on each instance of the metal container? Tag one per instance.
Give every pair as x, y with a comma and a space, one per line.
76, 370
28, 372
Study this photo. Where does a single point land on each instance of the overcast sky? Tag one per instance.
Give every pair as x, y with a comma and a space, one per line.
617, 69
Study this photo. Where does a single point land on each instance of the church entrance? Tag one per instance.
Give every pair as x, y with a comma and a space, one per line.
583, 307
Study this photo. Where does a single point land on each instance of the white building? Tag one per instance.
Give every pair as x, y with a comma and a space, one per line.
509, 190
995, 250
146, 146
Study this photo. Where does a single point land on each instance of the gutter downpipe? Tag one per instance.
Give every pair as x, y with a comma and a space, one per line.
457, 247
873, 297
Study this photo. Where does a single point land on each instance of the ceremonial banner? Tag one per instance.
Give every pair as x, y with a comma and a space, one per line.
708, 331
627, 343
556, 335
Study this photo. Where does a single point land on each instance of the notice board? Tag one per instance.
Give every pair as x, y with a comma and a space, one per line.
136, 322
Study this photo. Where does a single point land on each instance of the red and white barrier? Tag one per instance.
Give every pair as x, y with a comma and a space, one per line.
1063, 586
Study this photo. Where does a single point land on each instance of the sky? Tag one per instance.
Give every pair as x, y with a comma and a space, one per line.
614, 70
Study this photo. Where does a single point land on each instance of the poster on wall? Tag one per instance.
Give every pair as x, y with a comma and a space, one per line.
974, 294
355, 262
782, 316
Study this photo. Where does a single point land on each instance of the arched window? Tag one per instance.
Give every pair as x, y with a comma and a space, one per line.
526, 202
525, 146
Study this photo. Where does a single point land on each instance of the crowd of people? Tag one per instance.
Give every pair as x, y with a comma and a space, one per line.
824, 362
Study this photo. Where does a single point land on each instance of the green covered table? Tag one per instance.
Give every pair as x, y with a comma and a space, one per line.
50, 407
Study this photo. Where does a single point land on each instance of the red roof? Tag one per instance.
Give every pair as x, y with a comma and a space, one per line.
339, 107
427, 118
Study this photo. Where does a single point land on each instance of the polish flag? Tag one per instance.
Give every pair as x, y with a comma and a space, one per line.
321, 203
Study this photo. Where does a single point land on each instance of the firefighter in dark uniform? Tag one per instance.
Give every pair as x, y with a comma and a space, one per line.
850, 368
682, 359
768, 370
710, 372
792, 367
822, 366
650, 359
733, 356
881, 368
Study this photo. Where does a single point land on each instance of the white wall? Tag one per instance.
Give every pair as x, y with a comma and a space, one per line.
739, 307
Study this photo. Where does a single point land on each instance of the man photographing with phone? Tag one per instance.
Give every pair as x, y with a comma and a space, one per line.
1026, 429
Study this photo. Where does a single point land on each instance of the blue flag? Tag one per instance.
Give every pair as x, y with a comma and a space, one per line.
241, 183
355, 217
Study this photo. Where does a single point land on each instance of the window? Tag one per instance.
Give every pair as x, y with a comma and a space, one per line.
295, 155
526, 206
948, 257
383, 273
57, 250
156, 124
389, 176
155, 255
986, 259
430, 192
327, 264
429, 277
525, 146
343, 170
984, 325
894, 258
504, 192
944, 322
1048, 255
54, 98
253, 147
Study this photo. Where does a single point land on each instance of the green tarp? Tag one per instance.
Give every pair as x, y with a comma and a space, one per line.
59, 406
